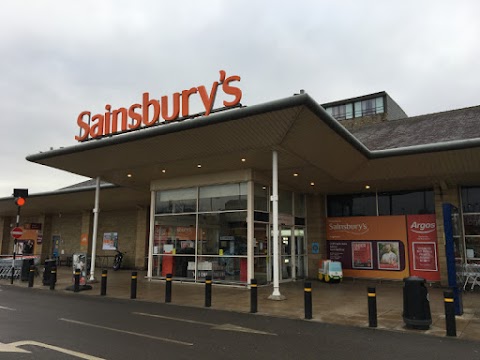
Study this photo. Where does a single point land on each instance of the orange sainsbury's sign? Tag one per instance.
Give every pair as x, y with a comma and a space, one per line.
149, 111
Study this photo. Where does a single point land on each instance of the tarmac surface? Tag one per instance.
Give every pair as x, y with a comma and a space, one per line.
343, 303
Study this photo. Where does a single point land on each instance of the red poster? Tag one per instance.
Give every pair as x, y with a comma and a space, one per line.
424, 256
422, 246
362, 255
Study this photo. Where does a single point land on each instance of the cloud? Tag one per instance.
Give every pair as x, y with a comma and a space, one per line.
60, 58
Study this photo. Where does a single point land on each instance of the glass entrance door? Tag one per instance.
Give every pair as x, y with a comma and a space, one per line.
300, 253
286, 262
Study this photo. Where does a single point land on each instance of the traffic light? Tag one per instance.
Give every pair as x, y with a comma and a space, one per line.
20, 196
20, 201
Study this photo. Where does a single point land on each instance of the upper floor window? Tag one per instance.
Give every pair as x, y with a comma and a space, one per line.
358, 109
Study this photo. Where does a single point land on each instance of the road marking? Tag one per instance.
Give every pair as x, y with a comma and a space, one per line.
7, 308
225, 327
13, 347
127, 332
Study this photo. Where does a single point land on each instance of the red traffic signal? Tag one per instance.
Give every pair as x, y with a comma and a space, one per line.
20, 201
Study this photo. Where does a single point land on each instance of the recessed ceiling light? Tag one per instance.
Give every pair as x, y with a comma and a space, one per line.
164, 171
129, 175
367, 187
295, 174
243, 159
199, 166
264, 187
312, 183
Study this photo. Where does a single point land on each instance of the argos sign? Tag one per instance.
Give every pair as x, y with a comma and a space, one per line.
422, 227
151, 110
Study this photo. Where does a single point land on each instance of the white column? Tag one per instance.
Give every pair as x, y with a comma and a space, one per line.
250, 231
276, 271
96, 210
150, 235
293, 250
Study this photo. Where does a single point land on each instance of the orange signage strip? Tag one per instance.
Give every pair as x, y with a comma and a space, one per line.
149, 111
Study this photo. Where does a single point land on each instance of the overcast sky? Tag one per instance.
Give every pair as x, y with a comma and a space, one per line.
59, 58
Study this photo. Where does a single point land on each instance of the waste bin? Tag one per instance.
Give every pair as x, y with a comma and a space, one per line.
26, 263
47, 271
416, 305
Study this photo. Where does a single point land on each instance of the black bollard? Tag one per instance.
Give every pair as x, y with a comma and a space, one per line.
31, 276
372, 307
133, 288
12, 273
253, 296
168, 288
208, 291
76, 286
103, 289
53, 277
450, 313
308, 300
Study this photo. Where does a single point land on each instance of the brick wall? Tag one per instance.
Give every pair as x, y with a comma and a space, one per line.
315, 232
356, 123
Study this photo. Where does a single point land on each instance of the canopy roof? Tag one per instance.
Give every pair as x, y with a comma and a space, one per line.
309, 142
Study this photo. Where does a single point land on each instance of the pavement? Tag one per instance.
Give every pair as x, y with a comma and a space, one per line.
343, 303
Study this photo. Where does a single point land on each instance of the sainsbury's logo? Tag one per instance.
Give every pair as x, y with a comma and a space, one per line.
422, 228
356, 229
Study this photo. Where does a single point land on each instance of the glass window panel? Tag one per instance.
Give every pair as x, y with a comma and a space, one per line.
222, 234
358, 109
472, 247
368, 107
471, 223
261, 270
471, 199
176, 201
299, 205
261, 197
349, 111
329, 110
406, 203
226, 268
351, 205
338, 112
379, 105
285, 205
174, 234
261, 239
223, 197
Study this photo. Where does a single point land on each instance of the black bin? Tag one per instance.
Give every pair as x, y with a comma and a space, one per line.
416, 305
26, 263
49, 264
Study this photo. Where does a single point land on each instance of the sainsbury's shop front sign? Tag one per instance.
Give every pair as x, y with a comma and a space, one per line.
150, 111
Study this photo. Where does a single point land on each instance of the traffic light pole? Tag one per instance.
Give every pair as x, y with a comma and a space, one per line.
15, 244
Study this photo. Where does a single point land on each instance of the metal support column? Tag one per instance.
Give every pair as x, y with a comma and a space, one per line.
150, 235
276, 271
96, 210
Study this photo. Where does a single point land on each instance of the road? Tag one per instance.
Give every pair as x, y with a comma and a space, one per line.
41, 324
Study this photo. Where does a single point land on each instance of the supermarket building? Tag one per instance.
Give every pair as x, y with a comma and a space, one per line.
202, 195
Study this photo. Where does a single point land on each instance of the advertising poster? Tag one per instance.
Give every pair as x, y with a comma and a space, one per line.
424, 256
110, 241
388, 255
423, 246
369, 246
362, 255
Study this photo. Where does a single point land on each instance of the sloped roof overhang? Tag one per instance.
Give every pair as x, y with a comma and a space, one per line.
309, 142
